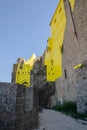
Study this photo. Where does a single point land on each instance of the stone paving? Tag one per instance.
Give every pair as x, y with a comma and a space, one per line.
52, 120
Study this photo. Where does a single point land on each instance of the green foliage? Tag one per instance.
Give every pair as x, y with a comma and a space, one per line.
70, 108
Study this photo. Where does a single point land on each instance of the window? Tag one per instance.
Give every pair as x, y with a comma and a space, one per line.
65, 73
60, 10
62, 49
55, 20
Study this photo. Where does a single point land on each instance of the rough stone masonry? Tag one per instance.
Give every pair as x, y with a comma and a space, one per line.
74, 50
18, 107
81, 77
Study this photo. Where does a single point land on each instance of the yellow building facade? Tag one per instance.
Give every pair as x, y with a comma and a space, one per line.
53, 54
23, 71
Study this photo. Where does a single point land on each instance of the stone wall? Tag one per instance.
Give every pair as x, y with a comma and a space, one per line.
74, 49
66, 84
18, 107
14, 71
81, 78
38, 74
80, 21
46, 90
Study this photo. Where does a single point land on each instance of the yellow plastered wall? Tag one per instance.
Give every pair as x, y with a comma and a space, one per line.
23, 71
53, 54
23, 75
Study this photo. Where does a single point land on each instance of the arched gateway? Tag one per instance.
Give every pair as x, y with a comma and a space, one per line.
46, 91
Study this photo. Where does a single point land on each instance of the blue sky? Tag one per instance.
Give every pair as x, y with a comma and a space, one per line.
24, 29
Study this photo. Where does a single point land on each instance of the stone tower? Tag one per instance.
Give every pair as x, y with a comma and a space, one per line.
74, 49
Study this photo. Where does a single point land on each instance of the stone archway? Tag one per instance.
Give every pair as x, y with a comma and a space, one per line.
46, 90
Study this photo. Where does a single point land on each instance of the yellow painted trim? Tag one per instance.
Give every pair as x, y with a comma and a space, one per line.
77, 66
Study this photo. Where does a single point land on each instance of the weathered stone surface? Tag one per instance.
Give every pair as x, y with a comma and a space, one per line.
38, 74
13, 78
80, 20
45, 89
29, 95
81, 77
74, 49
8, 93
18, 107
66, 89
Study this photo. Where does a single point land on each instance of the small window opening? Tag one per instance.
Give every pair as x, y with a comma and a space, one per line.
62, 48
60, 10
55, 21
65, 74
